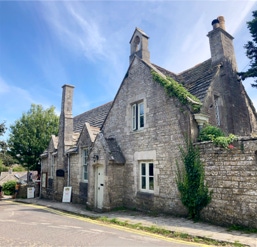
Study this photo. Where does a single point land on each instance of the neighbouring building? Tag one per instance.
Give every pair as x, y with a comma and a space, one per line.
124, 153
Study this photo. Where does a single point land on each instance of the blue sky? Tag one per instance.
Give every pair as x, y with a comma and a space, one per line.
46, 44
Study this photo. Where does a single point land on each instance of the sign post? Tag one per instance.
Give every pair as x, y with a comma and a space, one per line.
66, 194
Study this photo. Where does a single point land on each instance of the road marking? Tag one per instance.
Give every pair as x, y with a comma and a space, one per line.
74, 227
8, 220
123, 228
59, 227
88, 231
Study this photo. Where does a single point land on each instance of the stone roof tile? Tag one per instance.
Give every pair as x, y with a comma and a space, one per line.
94, 117
196, 80
115, 151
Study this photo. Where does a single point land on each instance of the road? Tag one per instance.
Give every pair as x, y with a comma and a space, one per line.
31, 225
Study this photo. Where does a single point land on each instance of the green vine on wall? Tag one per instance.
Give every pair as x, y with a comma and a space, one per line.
194, 194
176, 89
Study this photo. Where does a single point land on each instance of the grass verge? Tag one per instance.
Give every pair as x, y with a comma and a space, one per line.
168, 233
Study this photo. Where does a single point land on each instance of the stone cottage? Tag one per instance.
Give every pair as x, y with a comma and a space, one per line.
124, 153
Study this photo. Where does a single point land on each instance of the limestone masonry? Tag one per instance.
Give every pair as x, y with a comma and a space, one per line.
125, 152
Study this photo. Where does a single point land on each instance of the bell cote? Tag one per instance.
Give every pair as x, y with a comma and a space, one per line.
139, 46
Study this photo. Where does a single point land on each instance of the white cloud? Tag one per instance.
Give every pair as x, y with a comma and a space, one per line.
75, 27
4, 88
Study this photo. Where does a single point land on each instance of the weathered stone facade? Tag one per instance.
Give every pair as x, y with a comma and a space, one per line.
133, 142
232, 176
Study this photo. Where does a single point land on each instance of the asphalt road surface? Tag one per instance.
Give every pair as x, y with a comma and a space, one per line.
28, 225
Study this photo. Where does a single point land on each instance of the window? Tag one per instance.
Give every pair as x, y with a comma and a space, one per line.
138, 116
217, 111
52, 166
85, 164
146, 177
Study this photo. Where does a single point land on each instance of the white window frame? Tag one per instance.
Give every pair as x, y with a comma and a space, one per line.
146, 177
137, 115
85, 155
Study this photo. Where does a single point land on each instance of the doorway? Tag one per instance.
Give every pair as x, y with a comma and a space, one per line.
99, 178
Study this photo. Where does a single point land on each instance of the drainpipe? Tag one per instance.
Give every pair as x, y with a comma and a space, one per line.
68, 179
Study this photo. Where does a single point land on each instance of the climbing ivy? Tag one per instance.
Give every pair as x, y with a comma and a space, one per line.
194, 194
176, 89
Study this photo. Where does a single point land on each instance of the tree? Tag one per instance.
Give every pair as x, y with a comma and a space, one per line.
251, 51
2, 131
30, 135
194, 193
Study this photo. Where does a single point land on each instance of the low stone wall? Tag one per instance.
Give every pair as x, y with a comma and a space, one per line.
232, 176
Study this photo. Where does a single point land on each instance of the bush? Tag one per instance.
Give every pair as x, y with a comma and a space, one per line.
9, 187
215, 134
3, 168
209, 132
18, 168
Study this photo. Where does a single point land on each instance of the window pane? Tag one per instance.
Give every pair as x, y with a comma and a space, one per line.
143, 183
141, 115
143, 169
150, 169
141, 121
141, 109
151, 183
134, 117
85, 172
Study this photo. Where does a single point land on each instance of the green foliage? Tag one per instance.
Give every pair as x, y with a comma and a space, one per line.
224, 141
215, 134
176, 89
30, 135
6, 158
3, 168
251, 51
2, 143
9, 187
194, 193
18, 168
209, 132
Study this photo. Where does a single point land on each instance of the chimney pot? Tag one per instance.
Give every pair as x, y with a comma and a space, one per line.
215, 23
222, 22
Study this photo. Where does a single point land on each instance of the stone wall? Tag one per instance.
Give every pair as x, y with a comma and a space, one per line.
232, 176
166, 122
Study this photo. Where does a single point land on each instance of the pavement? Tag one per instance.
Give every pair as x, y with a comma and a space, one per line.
176, 224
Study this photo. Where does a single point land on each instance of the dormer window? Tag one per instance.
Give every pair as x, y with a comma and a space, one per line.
138, 116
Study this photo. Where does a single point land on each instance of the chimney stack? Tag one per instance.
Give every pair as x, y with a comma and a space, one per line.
65, 124
221, 43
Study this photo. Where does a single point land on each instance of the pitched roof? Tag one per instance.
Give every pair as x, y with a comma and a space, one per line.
94, 117
196, 80
11, 176
115, 151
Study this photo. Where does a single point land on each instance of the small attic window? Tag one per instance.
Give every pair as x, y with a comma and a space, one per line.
136, 43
